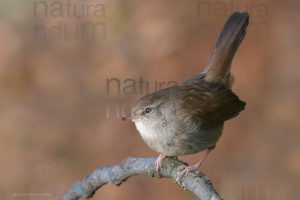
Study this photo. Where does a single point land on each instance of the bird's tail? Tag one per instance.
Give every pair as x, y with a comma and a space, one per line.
234, 31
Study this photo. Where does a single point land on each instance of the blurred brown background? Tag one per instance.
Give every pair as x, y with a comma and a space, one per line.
60, 118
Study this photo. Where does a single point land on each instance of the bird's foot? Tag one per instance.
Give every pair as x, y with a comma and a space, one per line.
159, 161
187, 169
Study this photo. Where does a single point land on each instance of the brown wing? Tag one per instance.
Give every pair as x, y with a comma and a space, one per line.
209, 104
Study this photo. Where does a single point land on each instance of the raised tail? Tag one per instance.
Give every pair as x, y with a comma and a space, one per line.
234, 31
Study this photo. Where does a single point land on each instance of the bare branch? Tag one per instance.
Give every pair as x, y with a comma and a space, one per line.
197, 183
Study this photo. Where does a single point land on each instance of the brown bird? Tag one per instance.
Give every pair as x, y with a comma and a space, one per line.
189, 117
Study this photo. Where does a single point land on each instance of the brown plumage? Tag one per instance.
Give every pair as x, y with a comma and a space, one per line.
189, 117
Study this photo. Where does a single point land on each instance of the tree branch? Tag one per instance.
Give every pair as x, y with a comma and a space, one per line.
196, 182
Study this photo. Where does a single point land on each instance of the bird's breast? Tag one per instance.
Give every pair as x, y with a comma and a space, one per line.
164, 140
154, 137
147, 132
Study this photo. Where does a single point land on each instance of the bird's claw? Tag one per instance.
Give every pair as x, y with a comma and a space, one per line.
185, 170
158, 162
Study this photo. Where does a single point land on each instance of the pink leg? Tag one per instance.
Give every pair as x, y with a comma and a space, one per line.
187, 169
159, 161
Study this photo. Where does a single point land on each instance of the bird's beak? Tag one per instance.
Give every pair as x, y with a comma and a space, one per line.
128, 117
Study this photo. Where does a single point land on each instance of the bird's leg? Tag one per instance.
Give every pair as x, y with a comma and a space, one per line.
159, 161
187, 169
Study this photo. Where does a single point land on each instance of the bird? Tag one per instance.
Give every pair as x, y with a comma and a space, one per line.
189, 117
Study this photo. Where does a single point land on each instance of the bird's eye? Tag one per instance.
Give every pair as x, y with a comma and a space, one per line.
148, 110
